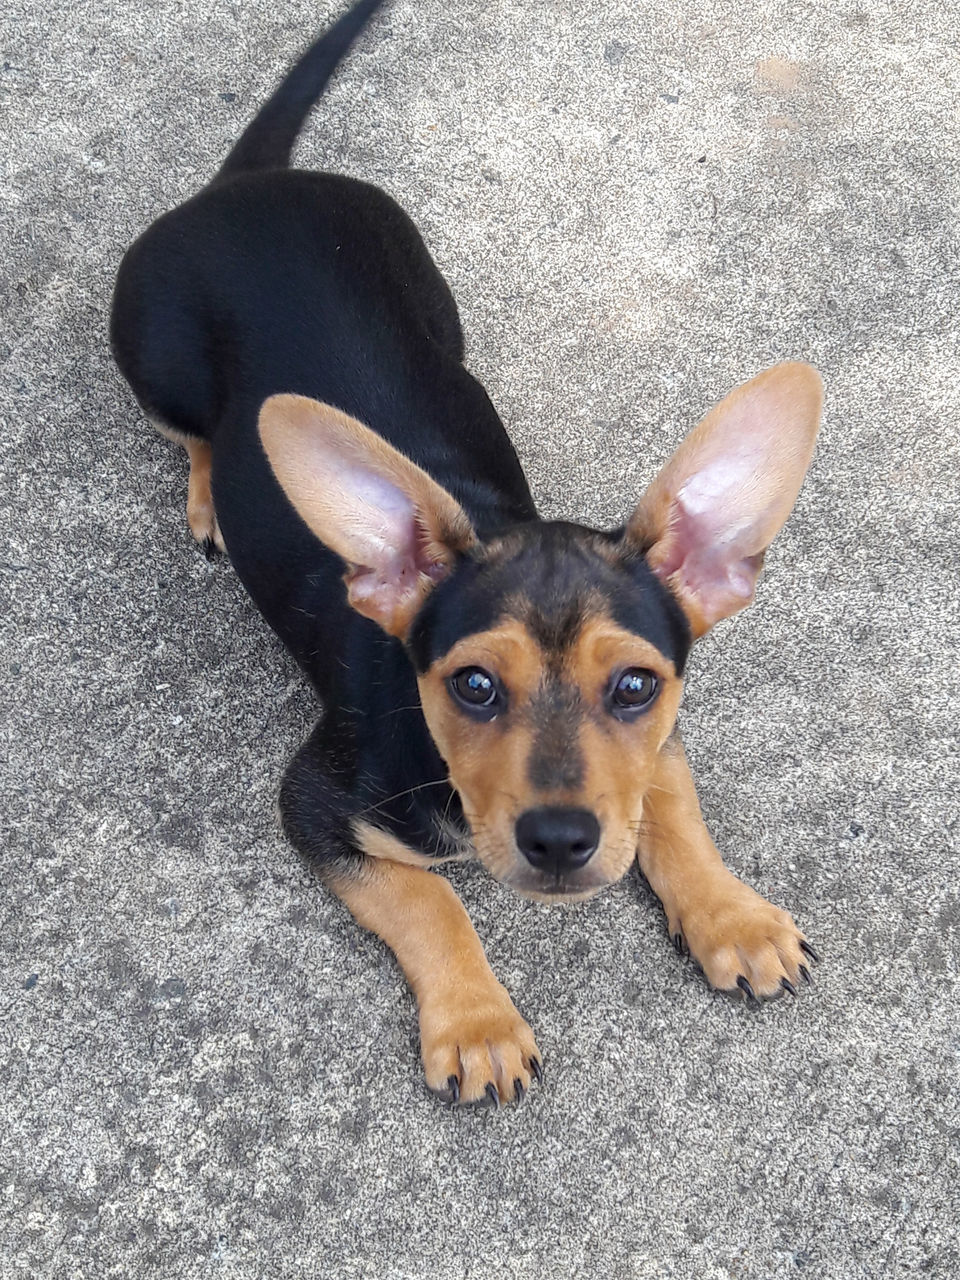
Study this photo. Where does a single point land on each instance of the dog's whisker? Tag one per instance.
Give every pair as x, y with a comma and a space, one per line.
438, 782
442, 823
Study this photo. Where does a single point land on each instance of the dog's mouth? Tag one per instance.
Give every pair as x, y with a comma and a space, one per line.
578, 887
548, 885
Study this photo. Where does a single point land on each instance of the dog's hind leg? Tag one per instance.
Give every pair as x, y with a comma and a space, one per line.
201, 516
161, 345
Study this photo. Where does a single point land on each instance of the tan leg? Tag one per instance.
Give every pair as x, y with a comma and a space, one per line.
472, 1040
735, 936
201, 516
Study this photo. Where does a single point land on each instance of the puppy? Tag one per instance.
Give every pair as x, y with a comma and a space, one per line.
494, 685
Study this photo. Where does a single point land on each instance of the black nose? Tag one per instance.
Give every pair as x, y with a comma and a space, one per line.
557, 840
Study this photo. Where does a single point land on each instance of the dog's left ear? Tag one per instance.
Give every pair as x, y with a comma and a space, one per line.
709, 516
399, 531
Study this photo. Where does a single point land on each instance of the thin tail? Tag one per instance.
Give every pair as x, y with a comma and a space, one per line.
268, 139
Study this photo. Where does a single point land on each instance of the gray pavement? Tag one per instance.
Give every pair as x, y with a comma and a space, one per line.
206, 1069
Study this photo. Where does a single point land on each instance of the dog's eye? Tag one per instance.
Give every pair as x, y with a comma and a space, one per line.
475, 688
634, 689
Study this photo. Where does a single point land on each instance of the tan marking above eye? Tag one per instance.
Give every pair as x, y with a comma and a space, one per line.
507, 651
493, 774
603, 648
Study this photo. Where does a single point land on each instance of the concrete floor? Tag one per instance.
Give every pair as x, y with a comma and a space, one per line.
206, 1069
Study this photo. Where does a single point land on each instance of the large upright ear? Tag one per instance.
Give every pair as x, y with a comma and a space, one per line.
397, 529
709, 516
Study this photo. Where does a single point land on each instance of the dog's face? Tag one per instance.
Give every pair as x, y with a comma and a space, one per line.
550, 666
550, 659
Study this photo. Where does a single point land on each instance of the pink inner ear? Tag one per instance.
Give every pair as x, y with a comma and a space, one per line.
716, 541
394, 527
382, 515
709, 516
390, 544
396, 545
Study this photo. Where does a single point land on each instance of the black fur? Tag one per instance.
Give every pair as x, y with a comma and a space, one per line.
552, 574
556, 762
272, 280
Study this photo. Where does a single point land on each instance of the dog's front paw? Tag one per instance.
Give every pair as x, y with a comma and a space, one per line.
741, 940
475, 1045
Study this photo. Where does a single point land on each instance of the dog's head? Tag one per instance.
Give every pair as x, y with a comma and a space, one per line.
550, 658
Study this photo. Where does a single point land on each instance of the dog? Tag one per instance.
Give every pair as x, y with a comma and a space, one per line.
493, 685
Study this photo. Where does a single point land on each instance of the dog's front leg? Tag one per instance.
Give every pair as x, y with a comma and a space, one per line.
473, 1041
738, 938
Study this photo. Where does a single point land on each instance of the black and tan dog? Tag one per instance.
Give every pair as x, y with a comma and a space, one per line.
494, 685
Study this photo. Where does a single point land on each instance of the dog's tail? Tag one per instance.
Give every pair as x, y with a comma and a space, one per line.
268, 139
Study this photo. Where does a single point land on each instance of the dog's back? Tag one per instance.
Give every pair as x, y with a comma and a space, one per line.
277, 280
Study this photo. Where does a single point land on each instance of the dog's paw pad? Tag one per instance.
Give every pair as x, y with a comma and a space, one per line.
477, 1048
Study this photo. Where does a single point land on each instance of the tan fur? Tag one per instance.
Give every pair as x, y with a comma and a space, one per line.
316, 453
788, 398
729, 928
201, 516
469, 1028
381, 844
488, 763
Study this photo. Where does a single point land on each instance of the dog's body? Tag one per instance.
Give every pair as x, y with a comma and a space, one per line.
535, 664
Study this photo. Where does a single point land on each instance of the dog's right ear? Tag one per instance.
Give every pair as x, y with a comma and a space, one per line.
399, 532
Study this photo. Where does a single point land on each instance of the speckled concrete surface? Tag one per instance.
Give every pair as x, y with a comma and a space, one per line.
205, 1068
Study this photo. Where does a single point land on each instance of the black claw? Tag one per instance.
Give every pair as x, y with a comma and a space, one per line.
805, 946
537, 1069
745, 987
518, 1089
491, 1092
678, 943
209, 548
788, 986
805, 975
453, 1084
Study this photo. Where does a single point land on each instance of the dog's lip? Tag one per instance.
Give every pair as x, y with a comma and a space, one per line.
541, 889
